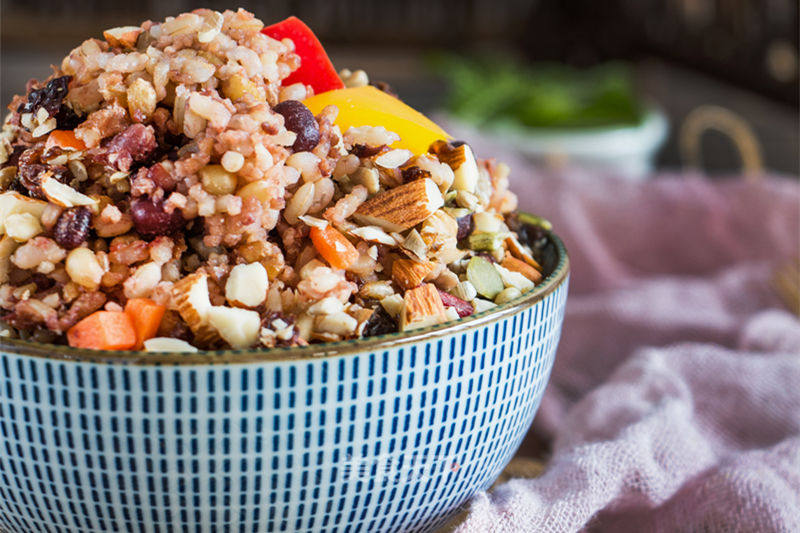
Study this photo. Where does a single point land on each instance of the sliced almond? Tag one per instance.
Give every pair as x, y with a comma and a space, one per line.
190, 298
402, 207
167, 344
461, 159
312, 222
423, 307
64, 195
409, 274
393, 158
123, 36
247, 285
239, 327
514, 279
415, 245
373, 234
516, 265
518, 251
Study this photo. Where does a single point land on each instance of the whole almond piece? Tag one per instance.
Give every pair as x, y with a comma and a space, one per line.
123, 36
402, 207
409, 274
423, 307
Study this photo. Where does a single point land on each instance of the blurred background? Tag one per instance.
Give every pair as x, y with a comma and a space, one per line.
622, 84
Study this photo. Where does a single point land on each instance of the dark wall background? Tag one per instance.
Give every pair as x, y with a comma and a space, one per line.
741, 54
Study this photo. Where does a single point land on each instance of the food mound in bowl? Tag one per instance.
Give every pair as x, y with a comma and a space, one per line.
206, 182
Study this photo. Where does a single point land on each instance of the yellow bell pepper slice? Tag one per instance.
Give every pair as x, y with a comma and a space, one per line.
368, 106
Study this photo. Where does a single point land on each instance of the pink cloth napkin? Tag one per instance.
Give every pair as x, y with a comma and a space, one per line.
674, 404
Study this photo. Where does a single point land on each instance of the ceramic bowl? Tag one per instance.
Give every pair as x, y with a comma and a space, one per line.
389, 433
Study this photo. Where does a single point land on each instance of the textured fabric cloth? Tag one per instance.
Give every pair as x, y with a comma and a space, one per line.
674, 403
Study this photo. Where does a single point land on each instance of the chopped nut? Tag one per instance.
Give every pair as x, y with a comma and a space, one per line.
462, 161
340, 324
368, 177
393, 305
247, 285
415, 245
238, 327
480, 305
506, 295
518, 251
326, 306
393, 158
515, 265
465, 290
423, 307
123, 36
373, 234
190, 298
514, 279
376, 290
409, 274
401, 207
12, 202
451, 313
167, 344
487, 222
64, 195
22, 227
83, 268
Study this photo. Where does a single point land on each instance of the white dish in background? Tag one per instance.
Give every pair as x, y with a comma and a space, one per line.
626, 151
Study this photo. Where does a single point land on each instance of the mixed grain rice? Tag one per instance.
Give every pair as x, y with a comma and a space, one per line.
192, 189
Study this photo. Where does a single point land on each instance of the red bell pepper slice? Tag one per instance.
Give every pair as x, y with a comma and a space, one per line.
316, 68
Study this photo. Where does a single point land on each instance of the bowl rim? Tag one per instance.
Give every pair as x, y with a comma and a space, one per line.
312, 351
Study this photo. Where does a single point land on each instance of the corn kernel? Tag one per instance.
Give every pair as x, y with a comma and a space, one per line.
256, 189
217, 180
237, 86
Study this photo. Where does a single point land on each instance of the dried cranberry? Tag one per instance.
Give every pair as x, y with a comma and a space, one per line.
299, 119
462, 307
48, 97
151, 220
380, 323
414, 173
465, 226
72, 228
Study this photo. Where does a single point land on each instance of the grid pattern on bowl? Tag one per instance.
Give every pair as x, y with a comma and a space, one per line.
394, 440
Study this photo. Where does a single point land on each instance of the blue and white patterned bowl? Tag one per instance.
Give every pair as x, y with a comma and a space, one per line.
391, 433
